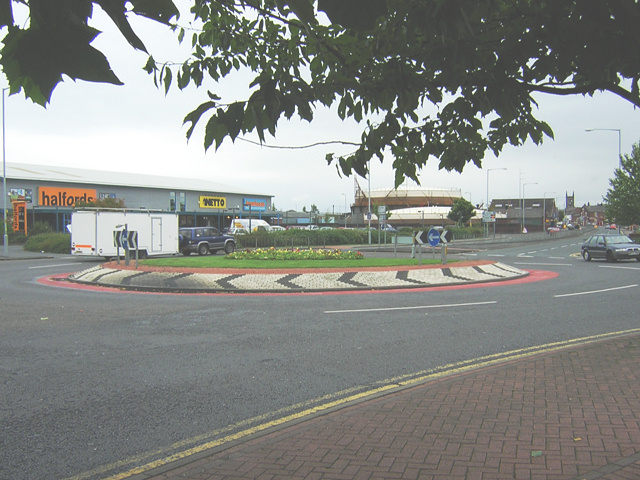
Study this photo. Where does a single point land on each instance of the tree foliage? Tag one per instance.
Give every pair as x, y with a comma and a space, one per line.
622, 202
101, 203
444, 79
461, 211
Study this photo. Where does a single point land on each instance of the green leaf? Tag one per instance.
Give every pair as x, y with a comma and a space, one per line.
6, 13
115, 10
355, 14
193, 117
303, 9
159, 10
168, 76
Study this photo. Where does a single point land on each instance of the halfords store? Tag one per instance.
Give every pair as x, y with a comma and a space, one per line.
48, 194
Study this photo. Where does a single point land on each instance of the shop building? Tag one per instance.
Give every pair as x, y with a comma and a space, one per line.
49, 194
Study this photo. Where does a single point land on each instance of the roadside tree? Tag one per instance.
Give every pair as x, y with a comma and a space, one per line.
102, 203
443, 79
461, 212
622, 202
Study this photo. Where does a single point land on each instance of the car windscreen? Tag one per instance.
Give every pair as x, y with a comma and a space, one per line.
616, 239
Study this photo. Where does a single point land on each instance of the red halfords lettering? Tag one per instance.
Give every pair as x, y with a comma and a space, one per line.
255, 203
62, 200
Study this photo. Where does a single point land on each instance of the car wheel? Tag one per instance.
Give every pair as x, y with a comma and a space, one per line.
186, 253
586, 256
203, 249
609, 256
230, 247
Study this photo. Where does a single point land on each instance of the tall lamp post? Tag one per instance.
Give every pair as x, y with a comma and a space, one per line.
524, 197
345, 209
619, 139
5, 238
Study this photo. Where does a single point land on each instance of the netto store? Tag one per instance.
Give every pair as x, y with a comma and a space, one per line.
38, 193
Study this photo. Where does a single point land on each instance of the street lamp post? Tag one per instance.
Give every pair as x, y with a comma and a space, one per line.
5, 238
345, 209
619, 139
524, 197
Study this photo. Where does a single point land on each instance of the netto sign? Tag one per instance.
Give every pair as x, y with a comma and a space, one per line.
212, 202
64, 197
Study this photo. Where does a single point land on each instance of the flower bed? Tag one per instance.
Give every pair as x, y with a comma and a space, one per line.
295, 254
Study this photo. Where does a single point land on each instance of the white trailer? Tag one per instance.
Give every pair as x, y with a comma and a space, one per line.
94, 232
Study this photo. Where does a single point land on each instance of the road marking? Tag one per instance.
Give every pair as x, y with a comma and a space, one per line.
495, 255
620, 267
546, 264
418, 307
400, 382
595, 291
51, 266
557, 258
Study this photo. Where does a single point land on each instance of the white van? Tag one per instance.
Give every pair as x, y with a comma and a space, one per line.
242, 226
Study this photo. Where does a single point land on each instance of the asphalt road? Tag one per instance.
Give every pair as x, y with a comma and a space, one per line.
94, 383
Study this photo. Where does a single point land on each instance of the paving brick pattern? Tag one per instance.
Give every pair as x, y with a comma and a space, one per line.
570, 414
283, 281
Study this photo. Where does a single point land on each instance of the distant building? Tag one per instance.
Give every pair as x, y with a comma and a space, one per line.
406, 206
49, 194
588, 214
537, 212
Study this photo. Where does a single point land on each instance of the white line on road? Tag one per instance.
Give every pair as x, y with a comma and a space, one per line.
51, 266
495, 255
595, 291
418, 307
546, 264
620, 267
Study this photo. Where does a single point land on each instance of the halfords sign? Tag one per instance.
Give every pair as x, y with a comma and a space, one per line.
212, 202
64, 197
254, 204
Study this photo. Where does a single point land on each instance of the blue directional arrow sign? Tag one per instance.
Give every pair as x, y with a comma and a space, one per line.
434, 237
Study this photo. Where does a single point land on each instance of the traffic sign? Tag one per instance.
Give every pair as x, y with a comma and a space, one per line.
446, 236
127, 239
434, 237
421, 237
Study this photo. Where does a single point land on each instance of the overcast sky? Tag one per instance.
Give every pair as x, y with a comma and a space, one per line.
136, 128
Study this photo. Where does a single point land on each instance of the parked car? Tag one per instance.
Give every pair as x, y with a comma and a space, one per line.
553, 229
611, 247
389, 228
205, 240
277, 228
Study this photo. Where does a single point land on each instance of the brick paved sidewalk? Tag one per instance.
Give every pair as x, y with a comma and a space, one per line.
568, 414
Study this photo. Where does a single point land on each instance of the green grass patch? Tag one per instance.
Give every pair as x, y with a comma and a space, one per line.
220, 261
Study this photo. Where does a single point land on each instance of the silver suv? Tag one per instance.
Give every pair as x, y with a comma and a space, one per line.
204, 240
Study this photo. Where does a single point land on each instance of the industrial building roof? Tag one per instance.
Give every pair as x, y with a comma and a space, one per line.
104, 177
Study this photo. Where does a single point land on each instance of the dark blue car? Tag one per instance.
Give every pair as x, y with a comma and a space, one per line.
611, 247
204, 240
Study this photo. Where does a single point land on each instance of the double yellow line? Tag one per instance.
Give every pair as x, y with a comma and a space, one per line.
324, 404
